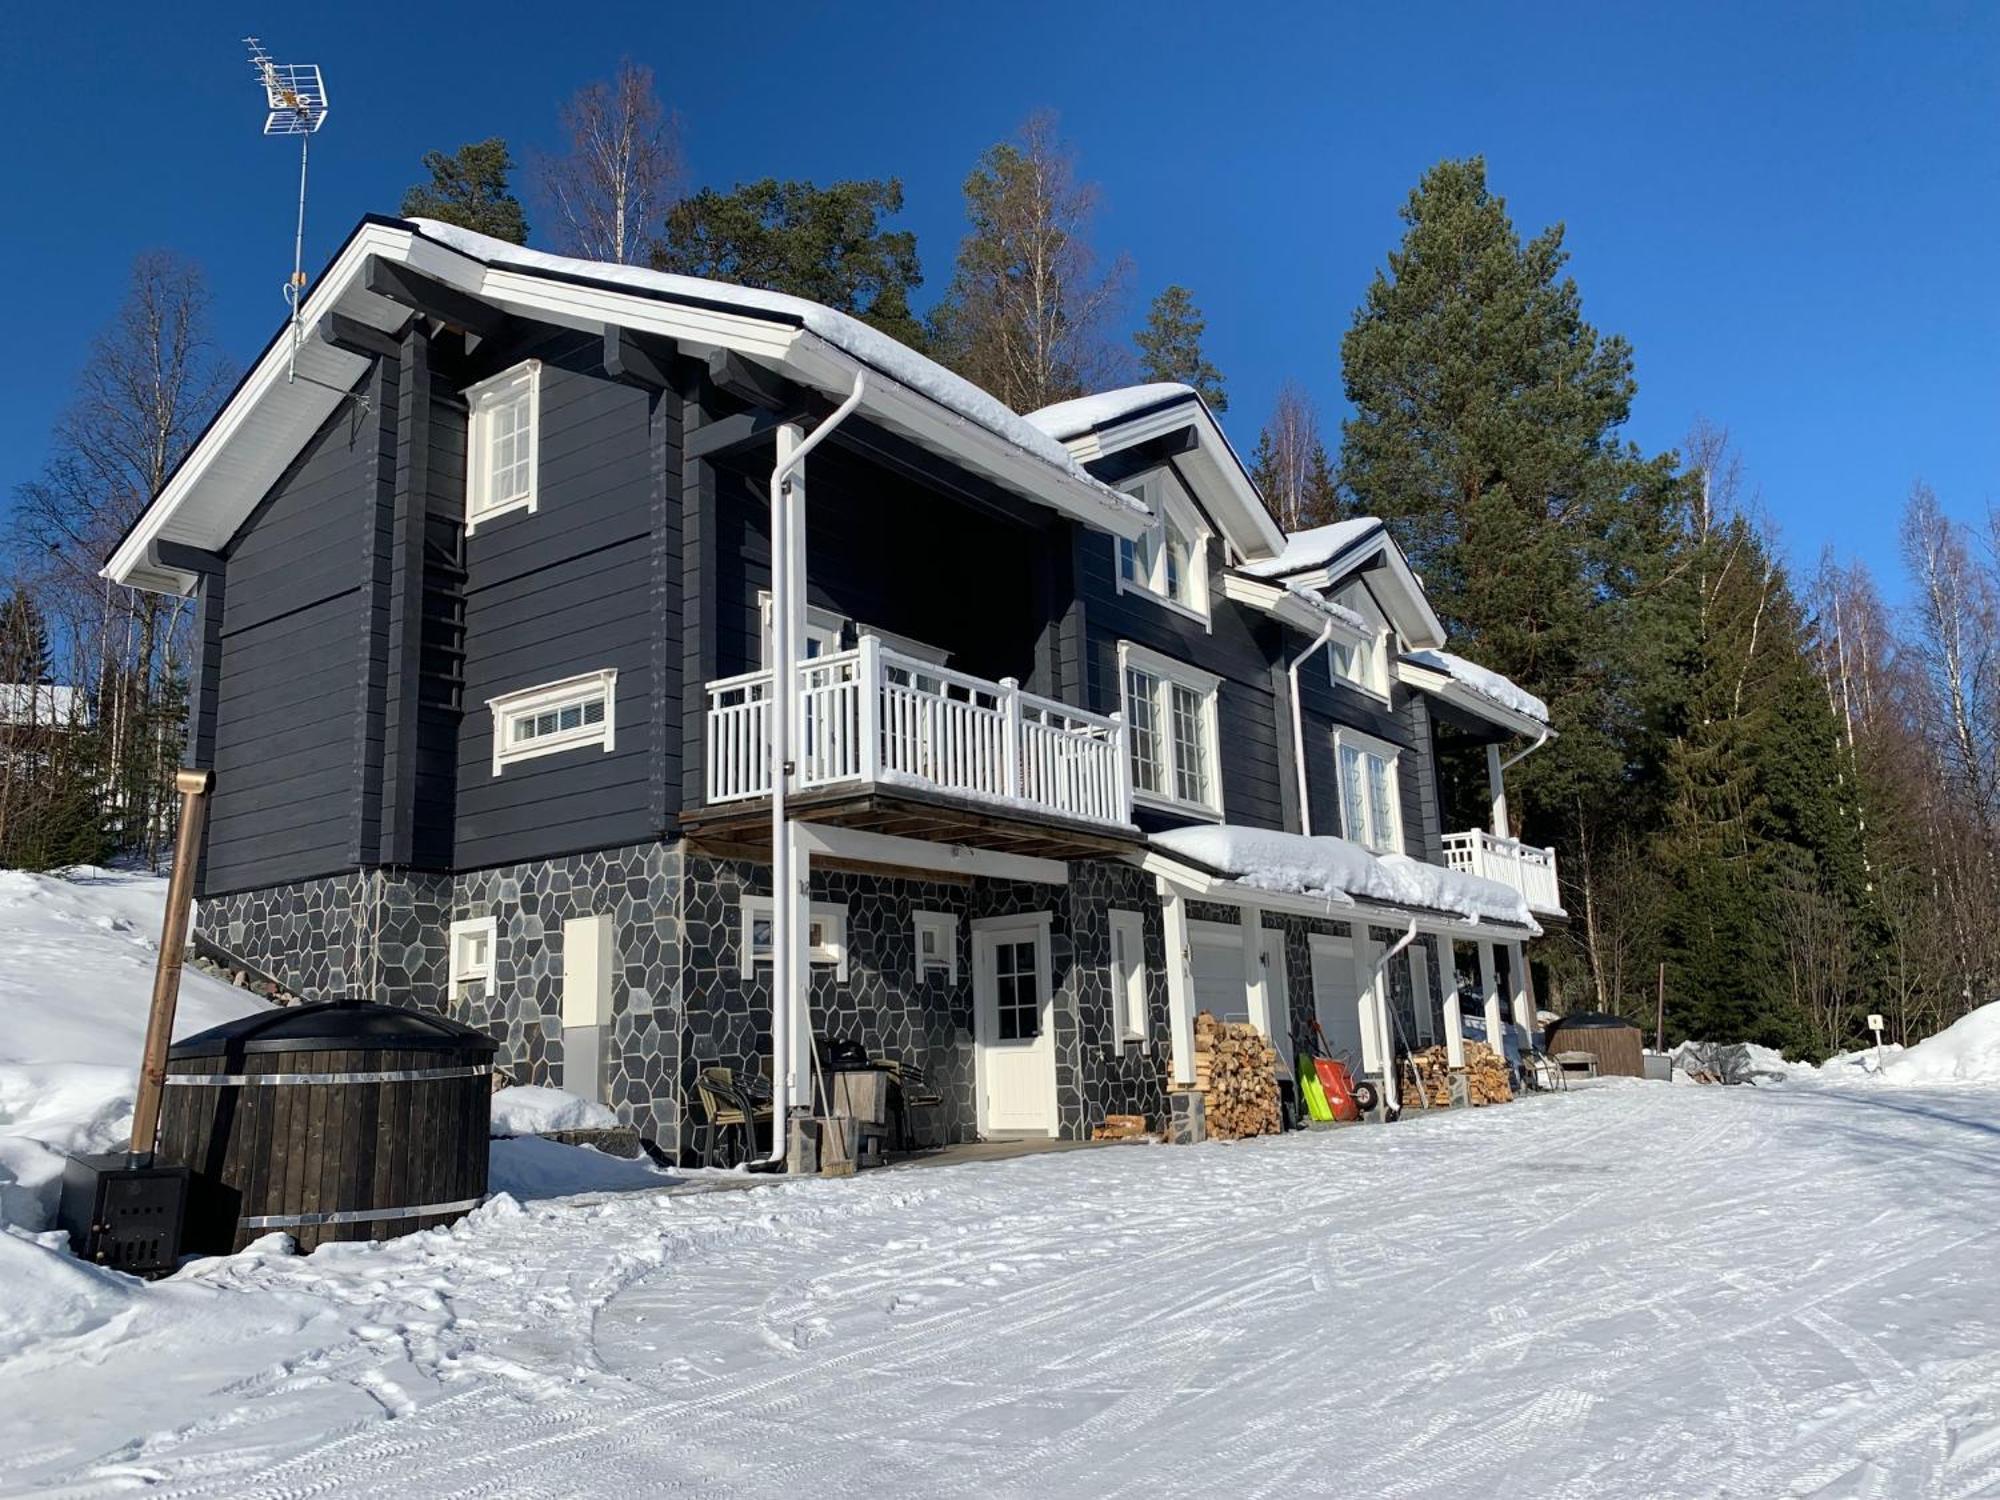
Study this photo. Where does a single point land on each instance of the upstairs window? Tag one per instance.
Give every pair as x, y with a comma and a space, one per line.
1369, 811
502, 445
566, 715
1170, 719
1362, 663
1170, 561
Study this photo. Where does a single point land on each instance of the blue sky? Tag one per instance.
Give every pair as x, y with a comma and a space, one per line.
1790, 210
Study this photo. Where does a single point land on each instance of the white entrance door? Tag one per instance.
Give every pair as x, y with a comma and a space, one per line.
1014, 1047
1337, 1000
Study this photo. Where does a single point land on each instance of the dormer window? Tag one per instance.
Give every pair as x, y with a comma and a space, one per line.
1361, 663
502, 447
1169, 562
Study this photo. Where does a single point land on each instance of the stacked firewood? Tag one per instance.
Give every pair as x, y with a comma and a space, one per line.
1485, 1077
1237, 1069
1120, 1128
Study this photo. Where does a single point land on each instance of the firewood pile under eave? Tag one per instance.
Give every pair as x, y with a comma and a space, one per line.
1485, 1077
1236, 1067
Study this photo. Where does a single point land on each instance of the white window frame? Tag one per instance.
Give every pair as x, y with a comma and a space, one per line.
1169, 673
1372, 647
944, 925
1163, 498
1367, 745
509, 708
1129, 1010
482, 401
830, 917
460, 972
822, 625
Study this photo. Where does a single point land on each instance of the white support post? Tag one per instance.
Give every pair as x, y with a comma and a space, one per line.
1489, 996
1180, 986
1454, 1009
1256, 979
1010, 733
870, 689
802, 1025
1524, 1010
1496, 786
1121, 737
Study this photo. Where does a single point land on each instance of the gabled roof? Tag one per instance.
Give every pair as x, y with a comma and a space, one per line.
1323, 558
1094, 427
270, 417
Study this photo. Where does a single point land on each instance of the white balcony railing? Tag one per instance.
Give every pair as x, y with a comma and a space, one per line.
1529, 870
873, 715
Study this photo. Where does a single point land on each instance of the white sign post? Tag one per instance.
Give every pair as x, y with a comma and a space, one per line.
1875, 1025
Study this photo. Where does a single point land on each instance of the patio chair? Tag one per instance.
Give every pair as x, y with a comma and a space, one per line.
910, 1089
728, 1104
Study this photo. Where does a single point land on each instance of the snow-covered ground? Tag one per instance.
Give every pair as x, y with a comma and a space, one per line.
1628, 1289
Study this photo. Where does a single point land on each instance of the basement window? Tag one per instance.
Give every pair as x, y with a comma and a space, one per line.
502, 448
826, 935
1128, 979
566, 715
937, 945
472, 944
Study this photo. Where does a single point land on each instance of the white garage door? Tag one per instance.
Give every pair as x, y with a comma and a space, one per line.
1216, 957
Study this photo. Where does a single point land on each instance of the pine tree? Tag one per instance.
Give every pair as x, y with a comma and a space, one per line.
1170, 347
1024, 315
826, 244
470, 188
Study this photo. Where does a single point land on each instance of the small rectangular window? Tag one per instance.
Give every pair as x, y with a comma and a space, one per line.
826, 935
502, 443
566, 715
937, 945
471, 959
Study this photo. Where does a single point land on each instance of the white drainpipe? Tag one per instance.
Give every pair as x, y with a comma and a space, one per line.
788, 574
1496, 772
1299, 730
1379, 988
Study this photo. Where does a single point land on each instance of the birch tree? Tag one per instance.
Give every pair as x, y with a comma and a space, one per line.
623, 168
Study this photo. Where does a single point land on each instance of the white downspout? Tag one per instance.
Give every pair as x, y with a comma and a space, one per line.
1299, 730
788, 571
1496, 784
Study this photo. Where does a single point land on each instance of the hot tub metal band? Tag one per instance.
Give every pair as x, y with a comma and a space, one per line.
401, 1075
357, 1215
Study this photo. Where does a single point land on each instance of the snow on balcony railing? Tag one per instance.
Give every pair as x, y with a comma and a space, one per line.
1528, 869
877, 715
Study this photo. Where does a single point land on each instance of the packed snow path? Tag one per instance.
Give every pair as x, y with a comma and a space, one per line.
1628, 1290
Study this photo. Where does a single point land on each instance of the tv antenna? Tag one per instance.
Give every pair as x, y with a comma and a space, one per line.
296, 96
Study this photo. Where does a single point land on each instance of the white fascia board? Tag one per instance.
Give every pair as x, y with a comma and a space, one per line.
1203, 886
1226, 491
864, 847
1285, 606
1444, 685
247, 437
1409, 605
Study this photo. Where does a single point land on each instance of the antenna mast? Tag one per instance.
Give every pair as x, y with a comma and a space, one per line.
296, 97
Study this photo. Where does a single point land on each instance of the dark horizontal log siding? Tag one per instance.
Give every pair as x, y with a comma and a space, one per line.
1329, 705
292, 712
568, 589
1238, 646
883, 551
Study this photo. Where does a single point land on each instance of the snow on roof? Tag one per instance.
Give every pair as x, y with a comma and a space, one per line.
1066, 419
1338, 871
1314, 548
849, 334
1331, 609
1488, 684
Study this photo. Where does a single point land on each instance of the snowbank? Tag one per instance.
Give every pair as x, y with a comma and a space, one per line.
77, 955
532, 1109
1487, 683
1338, 872
1967, 1051
850, 335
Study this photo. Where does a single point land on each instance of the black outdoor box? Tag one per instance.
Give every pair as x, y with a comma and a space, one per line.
124, 1216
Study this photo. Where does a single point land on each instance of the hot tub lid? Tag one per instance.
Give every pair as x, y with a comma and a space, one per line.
331, 1024
1591, 1020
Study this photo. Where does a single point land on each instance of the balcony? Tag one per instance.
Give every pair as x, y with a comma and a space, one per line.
1527, 869
877, 721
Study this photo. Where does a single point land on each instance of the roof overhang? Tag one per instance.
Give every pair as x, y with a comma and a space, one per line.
1304, 611
1222, 483
1391, 579
278, 405
1203, 884
1470, 709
